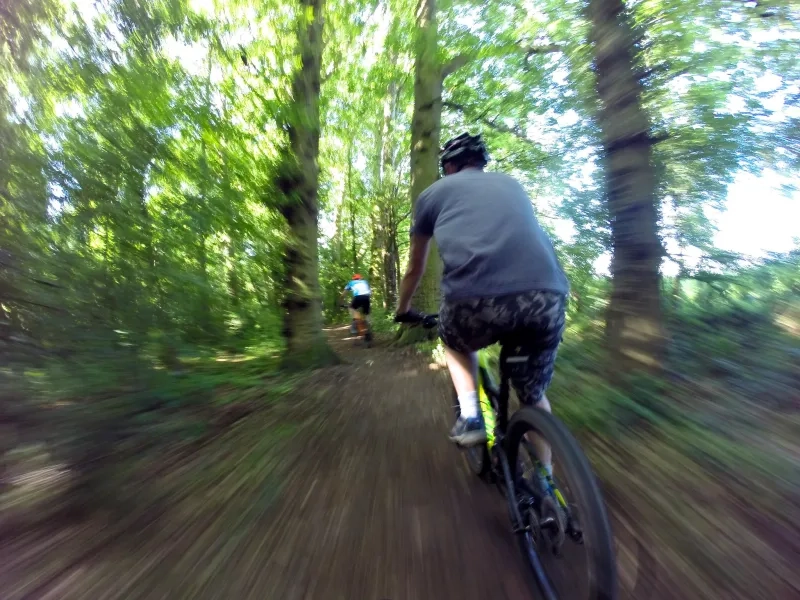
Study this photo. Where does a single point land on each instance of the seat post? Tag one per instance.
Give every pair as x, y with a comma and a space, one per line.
502, 400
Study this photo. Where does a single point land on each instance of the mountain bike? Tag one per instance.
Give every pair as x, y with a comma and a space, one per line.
360, 327
544, 519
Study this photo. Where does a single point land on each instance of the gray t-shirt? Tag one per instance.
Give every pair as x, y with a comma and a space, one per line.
488, 237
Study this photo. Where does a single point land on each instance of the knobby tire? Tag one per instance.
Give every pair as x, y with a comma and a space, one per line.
584, 492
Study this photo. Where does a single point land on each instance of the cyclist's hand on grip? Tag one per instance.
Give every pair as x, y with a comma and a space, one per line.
412, 316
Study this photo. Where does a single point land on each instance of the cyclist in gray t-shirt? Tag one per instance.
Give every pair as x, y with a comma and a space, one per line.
501, 276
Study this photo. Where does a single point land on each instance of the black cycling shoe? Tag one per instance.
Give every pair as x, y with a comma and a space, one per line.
468, 432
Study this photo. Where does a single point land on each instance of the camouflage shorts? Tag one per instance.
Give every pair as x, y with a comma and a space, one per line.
469, 325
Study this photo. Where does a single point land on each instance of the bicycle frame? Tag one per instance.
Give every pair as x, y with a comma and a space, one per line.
493, 399
484, 397
361, 322
494, 407
515, 357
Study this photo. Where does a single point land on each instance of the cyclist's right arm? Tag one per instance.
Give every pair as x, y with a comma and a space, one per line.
417, 259
422, 228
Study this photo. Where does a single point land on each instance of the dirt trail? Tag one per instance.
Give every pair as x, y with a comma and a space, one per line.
374, 504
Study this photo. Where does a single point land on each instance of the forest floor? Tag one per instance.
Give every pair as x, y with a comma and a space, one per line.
347, 489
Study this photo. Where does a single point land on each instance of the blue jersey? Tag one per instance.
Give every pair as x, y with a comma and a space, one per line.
359, 287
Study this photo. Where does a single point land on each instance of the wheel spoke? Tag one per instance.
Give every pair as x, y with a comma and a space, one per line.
574, 555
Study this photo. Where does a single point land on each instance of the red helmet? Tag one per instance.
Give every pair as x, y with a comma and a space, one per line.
356, 276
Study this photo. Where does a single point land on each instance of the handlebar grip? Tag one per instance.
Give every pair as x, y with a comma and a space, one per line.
430, 321
409, 317
414, 318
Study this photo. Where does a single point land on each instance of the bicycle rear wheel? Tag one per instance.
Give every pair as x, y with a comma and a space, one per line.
557, 528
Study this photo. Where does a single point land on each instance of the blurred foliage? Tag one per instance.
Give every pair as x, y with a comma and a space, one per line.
143, 229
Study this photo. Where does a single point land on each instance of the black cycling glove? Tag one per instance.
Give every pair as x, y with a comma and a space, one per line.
412, 316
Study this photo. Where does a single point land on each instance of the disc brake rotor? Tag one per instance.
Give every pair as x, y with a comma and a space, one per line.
553, 525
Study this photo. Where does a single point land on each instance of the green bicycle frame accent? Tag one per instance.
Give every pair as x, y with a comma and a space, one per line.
489, 417
490, 420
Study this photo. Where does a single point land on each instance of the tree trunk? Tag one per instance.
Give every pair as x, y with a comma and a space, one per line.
677, 288
391, 258
677, 284
426, 125
351, 205
147, 315
204, 310
389, 213
353, 249
202, 231
634, 326
378, 210
391, 255
203, 219
339, 246
383, 213
298, 177
376, 252
235, 243
234, 281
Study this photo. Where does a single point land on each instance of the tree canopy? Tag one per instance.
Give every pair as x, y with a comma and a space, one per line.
183, 179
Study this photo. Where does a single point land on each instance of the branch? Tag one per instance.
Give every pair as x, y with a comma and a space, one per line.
454, 65
664, 69
501, 159
462, 59
24, 274
259, 73
537, 50
492, 124
37, 304
543, 49
657, 138
328, 74
766, 12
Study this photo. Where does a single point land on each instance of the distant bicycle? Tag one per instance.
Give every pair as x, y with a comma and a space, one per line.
360, 327
543, 520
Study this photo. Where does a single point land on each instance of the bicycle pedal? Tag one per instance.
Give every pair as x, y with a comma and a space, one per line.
520, 530
548, 523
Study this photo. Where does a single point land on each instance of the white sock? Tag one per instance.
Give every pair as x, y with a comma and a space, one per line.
468, 403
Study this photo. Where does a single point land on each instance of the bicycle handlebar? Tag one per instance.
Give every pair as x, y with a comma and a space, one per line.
413, 317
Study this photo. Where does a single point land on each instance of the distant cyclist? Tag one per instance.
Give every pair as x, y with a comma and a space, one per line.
501, 276
360, 304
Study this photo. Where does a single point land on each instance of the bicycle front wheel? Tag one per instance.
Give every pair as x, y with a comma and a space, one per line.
569, 545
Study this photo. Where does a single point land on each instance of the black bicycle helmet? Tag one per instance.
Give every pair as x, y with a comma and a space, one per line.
464, 149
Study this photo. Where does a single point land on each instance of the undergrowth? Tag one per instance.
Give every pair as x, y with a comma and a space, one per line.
104, 417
